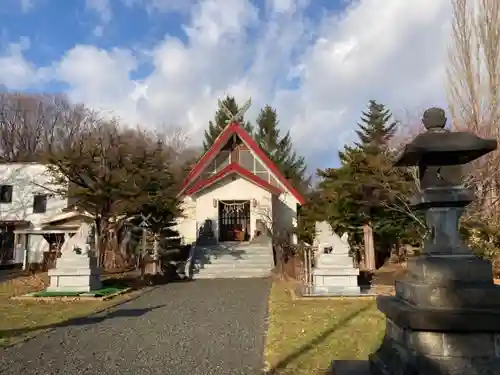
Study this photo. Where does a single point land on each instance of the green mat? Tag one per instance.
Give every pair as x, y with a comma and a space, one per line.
95, 293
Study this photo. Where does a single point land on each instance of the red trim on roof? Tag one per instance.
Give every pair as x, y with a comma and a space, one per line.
230, 169
235, 128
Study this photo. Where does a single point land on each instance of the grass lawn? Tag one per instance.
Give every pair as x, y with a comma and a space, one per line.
304, 336
25, 318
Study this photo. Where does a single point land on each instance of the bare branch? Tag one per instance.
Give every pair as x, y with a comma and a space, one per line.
473, 83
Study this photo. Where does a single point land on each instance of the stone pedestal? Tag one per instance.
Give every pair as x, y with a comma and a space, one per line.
77, 273
335, 274
445, 323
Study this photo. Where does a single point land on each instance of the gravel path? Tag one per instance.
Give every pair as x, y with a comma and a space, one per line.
202, 327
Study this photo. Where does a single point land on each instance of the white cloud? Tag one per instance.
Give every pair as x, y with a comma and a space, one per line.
319, 75
102, 8
27, 5
387, 50
16, 72
100, 78
162, 6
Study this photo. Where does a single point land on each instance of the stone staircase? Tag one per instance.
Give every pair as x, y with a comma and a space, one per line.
233, 260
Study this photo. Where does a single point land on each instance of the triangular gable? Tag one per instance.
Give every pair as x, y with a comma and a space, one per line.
233, 168
220, 142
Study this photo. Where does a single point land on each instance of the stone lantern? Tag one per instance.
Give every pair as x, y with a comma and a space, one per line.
445, 316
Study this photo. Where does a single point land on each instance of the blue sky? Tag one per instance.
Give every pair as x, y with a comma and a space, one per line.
165, 62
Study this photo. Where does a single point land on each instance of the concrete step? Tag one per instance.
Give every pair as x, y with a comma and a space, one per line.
232, 274
239, 257
234, 260
236, 265
212, 266
236, 253
241, 261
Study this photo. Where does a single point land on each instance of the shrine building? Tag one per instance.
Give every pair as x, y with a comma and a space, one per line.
236, 193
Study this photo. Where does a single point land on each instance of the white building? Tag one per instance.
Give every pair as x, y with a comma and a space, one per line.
236, 191
31, 213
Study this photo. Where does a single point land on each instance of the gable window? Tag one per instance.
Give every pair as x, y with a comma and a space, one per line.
247, 160
5, 193
219, 163
40, 203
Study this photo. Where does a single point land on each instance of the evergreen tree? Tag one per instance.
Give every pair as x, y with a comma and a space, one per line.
366, 189
280, 148
376, 128
221, 120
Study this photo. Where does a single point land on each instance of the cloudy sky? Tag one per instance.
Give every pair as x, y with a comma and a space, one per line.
318, 62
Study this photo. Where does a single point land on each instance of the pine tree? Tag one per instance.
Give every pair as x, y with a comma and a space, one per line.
376, 128
364, 189
221, 120
280, 148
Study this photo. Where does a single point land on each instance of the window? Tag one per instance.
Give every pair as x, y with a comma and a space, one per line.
40, 204
274, 182
246, 160
222, 160
263, 175
5, 193
259, 167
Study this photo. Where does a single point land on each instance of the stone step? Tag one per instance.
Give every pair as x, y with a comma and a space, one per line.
250, 258
212, 268
230, 266
239, 251
335, 291
247, 257
336, 271
232, 274
334, 261
239, 248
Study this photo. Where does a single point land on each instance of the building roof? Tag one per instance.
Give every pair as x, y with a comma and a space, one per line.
233, 168
222, 139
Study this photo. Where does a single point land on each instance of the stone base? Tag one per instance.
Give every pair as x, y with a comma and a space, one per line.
435, 353
74, 274
335, 260
335, 277
354, 367
441, 325
73, 282
323, 290
336, 271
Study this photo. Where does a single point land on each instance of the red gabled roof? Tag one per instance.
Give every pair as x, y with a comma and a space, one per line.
222, 139
230, 169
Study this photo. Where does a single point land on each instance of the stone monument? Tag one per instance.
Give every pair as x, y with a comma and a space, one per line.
445, 316
76, 270
334, 273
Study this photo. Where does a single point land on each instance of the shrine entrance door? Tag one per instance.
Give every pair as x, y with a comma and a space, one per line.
234, 220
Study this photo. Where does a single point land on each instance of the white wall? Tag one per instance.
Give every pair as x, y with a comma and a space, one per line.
186, 224
230, 188
27, 180
36, 247
284, 215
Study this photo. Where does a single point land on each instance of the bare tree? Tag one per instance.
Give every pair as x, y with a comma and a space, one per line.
473, 83
30, 123
177, 142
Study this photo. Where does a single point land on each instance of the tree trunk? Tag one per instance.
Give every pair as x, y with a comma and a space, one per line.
370, 264
142, 256
156, 257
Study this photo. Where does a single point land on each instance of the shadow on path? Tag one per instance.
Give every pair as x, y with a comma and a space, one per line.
281, 365
81, 321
